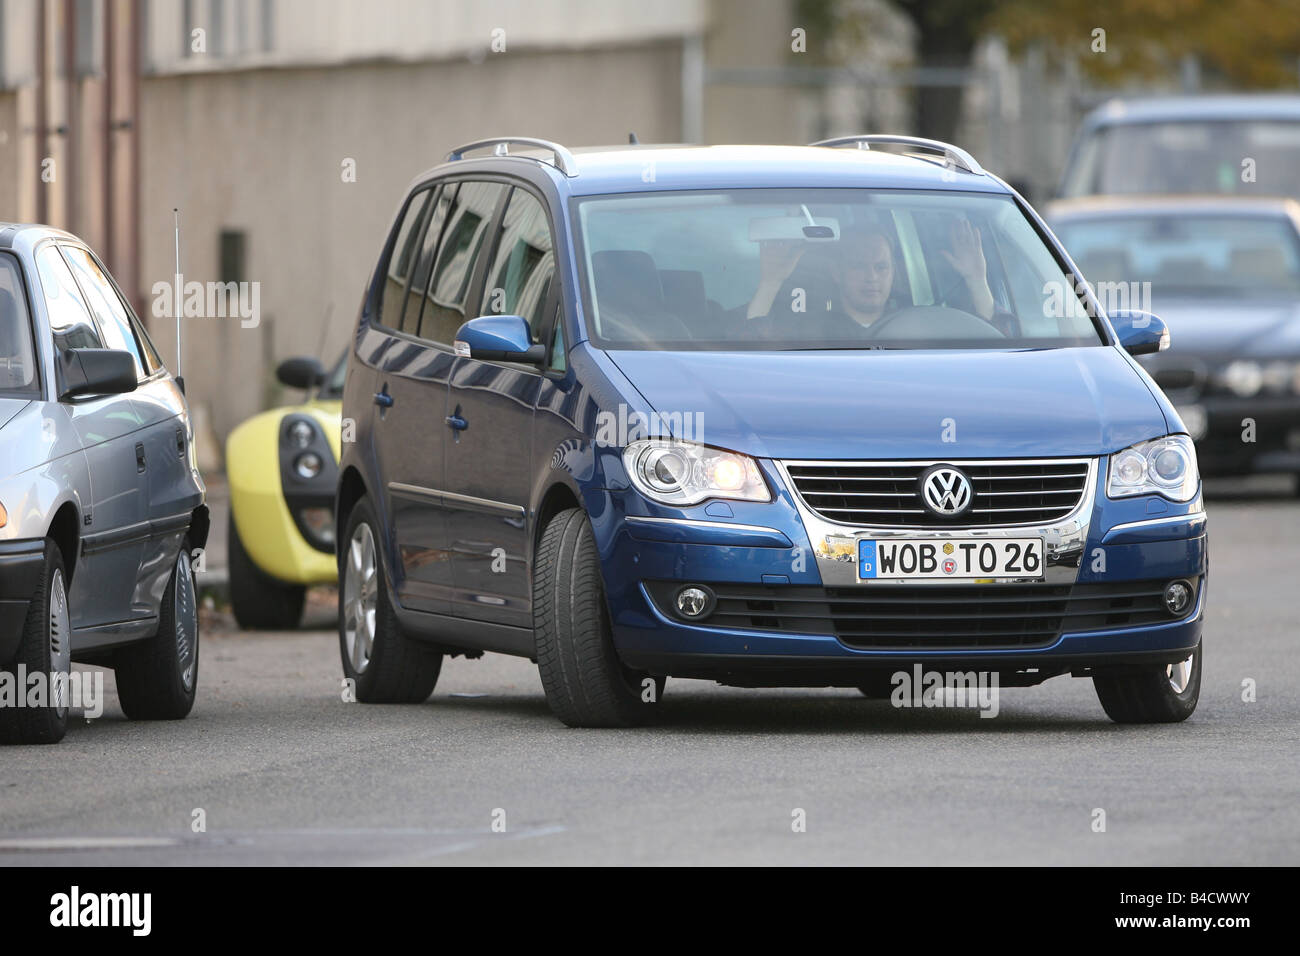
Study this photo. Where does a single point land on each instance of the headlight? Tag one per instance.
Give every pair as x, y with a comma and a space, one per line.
300, 433
4, 516
1245, 378
307, 465
679, 473
1162, 466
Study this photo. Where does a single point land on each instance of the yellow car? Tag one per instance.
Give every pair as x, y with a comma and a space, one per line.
282, 466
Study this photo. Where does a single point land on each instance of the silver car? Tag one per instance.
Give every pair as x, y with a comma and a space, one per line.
101, 503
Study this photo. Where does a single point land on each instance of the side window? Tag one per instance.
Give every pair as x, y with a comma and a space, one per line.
70, 321
399, 263
415, 293
112, 318
462, 242
520, 278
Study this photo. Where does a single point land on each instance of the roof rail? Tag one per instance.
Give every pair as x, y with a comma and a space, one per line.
954, 155
563, 161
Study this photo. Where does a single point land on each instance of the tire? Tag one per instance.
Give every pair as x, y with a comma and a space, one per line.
585, 682
260, 602
878, 686
157, 679
1150, 696
386, 666
46, 648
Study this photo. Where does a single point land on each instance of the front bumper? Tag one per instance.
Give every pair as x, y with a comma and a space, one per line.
21, 566
1105, 544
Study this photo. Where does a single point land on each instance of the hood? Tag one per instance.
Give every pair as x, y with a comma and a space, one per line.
1232, 328
9, 407
896, 404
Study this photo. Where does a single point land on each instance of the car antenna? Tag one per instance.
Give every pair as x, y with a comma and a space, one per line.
632, 140
176, 300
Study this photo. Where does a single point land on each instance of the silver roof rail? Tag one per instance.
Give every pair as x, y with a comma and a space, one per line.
563, 161
954, 155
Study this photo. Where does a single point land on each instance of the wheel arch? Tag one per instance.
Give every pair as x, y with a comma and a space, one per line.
65, 532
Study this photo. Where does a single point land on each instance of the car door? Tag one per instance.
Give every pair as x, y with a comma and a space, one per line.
489, 459
114, 527
170, 493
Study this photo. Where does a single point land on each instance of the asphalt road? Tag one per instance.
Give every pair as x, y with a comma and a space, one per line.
286, 772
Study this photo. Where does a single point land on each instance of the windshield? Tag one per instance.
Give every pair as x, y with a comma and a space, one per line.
1195, 156
1187, 254
17, 358
783, 269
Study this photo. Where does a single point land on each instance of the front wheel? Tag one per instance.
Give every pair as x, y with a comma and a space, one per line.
158, 678
385, 665
585, 682
1159, 694
260, 602
45, 652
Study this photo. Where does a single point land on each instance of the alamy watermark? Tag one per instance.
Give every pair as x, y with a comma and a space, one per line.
209, 300
922, 688
618, 429
23, 688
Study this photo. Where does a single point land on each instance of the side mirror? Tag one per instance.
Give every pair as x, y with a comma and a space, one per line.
97, 372
1140, 332
499, 338
301, 372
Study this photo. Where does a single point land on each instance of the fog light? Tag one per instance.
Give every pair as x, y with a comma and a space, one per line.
1178, 597
307, 465
693, 602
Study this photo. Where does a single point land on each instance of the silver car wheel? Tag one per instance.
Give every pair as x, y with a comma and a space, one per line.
60, 632
360, 590
1180, 674
185, 613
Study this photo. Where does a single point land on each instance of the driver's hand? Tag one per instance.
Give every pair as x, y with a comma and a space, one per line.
967, 251
777, 259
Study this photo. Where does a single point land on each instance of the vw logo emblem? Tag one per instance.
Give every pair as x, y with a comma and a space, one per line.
946, 491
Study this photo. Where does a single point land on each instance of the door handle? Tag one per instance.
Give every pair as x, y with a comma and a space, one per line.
139, 457
458, 423
383, 399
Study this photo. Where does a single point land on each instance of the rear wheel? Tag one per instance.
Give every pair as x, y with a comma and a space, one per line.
260, 602
158, 678
45, 649
1160, 694
585, 682
386, 666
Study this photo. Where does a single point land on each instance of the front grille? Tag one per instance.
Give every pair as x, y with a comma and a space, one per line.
889, 493
901, 617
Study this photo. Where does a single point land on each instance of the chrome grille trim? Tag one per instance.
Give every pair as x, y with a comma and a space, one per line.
1052, 495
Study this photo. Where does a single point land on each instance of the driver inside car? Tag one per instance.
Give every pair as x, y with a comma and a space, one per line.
863, 271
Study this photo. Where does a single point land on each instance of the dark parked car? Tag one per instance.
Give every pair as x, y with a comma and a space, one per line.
100, 498
1224, 274
762, 415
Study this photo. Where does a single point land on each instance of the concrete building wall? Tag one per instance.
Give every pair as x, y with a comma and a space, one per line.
262, 151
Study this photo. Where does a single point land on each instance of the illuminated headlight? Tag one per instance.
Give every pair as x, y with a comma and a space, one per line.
1163, 466
1244, 378
307, 465
4, 516
300, 433
680, 473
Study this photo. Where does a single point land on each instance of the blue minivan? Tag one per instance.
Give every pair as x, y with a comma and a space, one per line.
819, 416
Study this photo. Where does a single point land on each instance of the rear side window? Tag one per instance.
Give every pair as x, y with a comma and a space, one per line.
17, 356
418, 288
70, 320
103, 301
402, 259
519, 281
462, 243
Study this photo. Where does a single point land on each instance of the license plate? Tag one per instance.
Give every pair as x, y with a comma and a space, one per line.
916, 559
